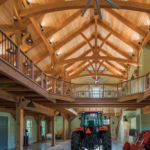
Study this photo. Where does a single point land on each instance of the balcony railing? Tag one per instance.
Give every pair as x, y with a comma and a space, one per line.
16, 58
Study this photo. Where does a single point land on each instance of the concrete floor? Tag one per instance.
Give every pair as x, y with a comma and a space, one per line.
60, 146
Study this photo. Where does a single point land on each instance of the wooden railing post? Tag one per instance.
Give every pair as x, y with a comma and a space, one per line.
32, 71
42, 80
103, 91
62, 88
18, 62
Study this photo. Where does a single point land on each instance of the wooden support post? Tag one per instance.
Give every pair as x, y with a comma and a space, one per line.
38, 121
48, 125
53, 130
19, 128
69, 129
64, 128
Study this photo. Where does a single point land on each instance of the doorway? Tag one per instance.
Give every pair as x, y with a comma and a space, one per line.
3, 133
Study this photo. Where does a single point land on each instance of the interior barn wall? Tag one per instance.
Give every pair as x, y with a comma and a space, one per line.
33, 138
11, 129
145, 60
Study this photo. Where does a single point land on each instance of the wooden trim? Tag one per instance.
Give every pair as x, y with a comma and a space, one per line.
66, 5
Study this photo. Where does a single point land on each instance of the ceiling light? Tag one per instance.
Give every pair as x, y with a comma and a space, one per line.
58, 53
15, 18
29, 40
51, 40
26, 64
31, 104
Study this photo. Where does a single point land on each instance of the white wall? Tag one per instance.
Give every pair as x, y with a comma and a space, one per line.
33, 138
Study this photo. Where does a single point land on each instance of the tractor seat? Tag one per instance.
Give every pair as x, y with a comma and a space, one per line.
91, 123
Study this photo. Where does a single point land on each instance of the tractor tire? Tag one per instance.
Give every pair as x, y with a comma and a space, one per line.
76, 141
106, 141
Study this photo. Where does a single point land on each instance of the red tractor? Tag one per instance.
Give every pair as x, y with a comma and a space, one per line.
92, 134
142, 142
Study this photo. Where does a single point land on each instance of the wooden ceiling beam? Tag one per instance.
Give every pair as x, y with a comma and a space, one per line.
109, 69
105, 25
115, 48
7, 96
121, 60
86, 39
110, 55
37, 27
115, 67
126, 22
100, 75
78, 4
3, 1
74, 33
80, 70
58, 28
76, 67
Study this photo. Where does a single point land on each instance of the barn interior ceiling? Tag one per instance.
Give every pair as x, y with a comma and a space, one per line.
79, 49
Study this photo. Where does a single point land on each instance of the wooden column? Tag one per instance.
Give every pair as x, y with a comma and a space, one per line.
48, 125
38, 121
69, 129
64, 128
53, 130
19, 128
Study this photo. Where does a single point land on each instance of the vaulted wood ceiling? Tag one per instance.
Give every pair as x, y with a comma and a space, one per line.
69, 46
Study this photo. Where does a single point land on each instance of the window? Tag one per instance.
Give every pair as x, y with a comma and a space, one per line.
29, 128
96, 92
42, 128
106, 121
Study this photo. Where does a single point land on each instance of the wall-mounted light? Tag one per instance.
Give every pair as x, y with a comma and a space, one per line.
26, 64
125, 119
15, 18
58, 53
11, 51
29, 40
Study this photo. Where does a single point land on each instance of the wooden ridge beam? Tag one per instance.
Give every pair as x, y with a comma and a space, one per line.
78, 4
126, 22
121, 60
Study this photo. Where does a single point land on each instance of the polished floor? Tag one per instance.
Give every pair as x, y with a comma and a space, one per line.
60, 146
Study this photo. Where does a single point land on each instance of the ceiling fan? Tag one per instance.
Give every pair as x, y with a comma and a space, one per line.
98, 7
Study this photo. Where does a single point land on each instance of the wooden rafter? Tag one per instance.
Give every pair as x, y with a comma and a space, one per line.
76, 67
58, 28
119, 36
86, 39
110, 55
3, 1
79, 71
65, 5
126, 22
125, 61
77, 31
91, 64
115, 48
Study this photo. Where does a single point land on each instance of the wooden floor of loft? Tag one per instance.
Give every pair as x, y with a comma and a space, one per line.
15, 82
